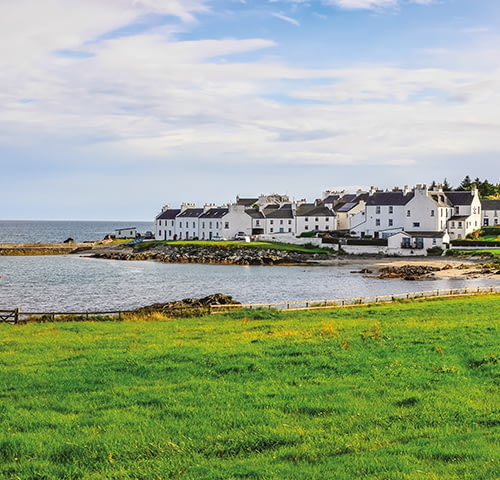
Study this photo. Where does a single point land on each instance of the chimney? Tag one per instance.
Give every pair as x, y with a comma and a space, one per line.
406, 190
165, 208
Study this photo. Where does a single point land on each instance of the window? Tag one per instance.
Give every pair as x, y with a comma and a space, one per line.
408, 213
257, 222
317, 219
416, 224
306, 228
327, 218
203, 225
459, 224
226, 225
390, 222
377, 222
432, 213
180, 224
316, 227
159, 233
434, 241
391, 209
159, 223
307, 219
289, 230
289, 222
457, 210
271, 230
271, 222
377, 209
281, 222
170, 233
194, 225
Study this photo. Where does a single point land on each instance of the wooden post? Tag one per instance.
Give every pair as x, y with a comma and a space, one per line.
16, 316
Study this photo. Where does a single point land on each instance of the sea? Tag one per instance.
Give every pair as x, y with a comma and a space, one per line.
73, 283
56, 231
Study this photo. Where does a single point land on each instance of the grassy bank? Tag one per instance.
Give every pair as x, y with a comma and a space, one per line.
404, 391
234, 244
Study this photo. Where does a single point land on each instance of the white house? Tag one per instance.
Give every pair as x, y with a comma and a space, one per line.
129, 232
210, 223
427, 211
187, 222
466, 216
279, 220
385, 213
347, 208
236, 220
165, 224
315, 218
416, 243
490, 213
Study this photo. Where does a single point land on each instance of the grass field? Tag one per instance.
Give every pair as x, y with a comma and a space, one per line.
388, 392
235, 244
492, 252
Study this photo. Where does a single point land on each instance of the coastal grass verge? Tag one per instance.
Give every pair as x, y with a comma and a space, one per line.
393, 391
481, 252
308, 248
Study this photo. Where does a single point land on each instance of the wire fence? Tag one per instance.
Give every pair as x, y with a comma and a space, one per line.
16, 316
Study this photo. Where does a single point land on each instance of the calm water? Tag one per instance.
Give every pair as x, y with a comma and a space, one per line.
72, 283
29, 231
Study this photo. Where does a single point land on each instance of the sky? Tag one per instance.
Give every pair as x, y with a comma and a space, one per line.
111, 109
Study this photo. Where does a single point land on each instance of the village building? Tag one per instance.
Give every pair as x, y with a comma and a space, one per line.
129, 232
165, 224
490, 213
279, 219
187, 222
466, 216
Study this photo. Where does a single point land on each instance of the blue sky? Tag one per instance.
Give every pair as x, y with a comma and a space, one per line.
110, 110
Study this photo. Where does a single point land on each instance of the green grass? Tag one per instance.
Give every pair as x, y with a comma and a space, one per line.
487, 252
235, 244
390, 392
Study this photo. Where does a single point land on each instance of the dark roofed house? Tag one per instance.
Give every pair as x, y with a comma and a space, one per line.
165, 224
490, 212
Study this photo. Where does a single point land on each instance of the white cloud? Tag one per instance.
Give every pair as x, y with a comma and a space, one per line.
286, 19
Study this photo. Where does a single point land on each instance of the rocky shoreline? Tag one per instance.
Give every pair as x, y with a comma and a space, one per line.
230, 255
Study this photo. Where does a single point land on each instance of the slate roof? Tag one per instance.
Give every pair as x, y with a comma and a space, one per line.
303, 209
214, 213
490, 204
426, 234
440, 198
346, 207
191, 213
254, 213
458, 218
279, 213
247, 202
317, 212
169, 214
331, 199
460, 198
389, 198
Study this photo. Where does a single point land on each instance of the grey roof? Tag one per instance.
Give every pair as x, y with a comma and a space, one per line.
440, 198
317, 212
304, 208
458, 217
126, 228
331, 199
169, 214
345, 207
191, 213
426, 234
214, 213
247, 202
460, 198
389, 198
254, 213
279, 213
490, 204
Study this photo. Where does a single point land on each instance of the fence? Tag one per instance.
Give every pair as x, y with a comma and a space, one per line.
350, 302
16, 316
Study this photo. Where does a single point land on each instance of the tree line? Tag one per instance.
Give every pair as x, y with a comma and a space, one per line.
484, 187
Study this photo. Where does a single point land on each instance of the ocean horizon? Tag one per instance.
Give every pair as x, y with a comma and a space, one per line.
56, 231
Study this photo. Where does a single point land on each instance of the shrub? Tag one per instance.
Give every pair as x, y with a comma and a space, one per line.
435, 251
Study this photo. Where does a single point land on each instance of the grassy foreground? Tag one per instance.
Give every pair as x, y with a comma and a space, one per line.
403, 391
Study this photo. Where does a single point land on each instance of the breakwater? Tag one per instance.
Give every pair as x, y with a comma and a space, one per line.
225, 255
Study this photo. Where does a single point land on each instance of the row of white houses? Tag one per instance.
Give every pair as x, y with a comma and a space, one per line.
419, 212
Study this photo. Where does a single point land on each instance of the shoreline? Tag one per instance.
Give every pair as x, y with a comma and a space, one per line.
371, 266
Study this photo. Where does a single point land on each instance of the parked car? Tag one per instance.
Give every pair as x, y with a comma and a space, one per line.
240, 236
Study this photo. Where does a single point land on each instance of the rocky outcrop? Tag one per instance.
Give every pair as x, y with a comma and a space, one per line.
410, 272
187, 306
229, 255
